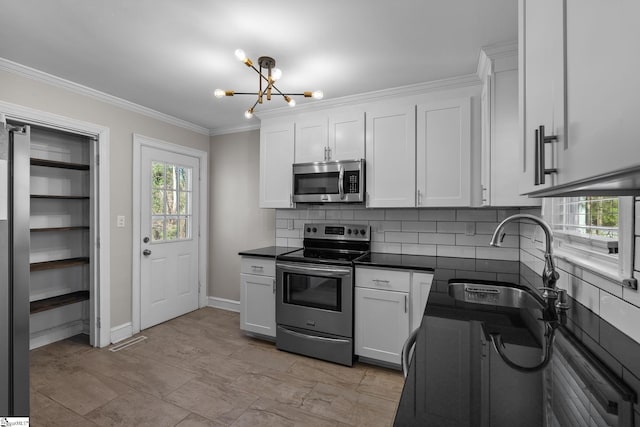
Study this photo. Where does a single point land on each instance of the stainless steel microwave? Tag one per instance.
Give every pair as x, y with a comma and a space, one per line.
329, 182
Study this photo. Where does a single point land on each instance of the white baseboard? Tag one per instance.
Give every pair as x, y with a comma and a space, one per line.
224, 304
122, 332
58, 333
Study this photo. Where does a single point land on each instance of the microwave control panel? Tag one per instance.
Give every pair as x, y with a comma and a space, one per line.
351, 182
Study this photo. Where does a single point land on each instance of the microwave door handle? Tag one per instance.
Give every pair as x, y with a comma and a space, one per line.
341, 182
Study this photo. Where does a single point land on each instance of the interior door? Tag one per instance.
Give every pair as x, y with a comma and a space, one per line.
169, 227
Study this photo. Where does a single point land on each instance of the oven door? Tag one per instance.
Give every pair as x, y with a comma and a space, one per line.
315, 297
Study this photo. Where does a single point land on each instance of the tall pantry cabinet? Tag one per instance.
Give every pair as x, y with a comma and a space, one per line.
61, 232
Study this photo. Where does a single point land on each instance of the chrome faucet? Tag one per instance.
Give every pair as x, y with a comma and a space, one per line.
549, 275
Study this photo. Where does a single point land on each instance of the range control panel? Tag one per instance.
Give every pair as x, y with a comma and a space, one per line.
360, 232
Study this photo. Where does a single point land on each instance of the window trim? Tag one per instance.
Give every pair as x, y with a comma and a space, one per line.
614, 267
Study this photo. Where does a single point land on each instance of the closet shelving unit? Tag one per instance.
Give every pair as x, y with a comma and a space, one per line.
60, 231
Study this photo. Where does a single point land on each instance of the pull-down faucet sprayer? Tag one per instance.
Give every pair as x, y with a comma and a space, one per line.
549, 275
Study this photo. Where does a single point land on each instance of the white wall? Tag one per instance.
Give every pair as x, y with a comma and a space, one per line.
236, 221
123, 124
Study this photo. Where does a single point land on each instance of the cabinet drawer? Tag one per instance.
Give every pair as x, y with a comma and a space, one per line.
258, 266
391, 280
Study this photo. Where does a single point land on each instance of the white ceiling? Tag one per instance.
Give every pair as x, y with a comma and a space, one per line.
170, 55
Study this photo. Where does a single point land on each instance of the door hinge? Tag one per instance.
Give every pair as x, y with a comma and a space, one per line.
97, 159
98, 322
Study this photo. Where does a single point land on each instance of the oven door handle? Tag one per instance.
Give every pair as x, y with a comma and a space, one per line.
313, 337
315, 269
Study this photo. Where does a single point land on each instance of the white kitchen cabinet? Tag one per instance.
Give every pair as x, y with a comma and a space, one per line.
498, 70
311, 142
443, 153
346, 135
602, 107
390, 155
337, 135
541, 71
257, 295
382, 308
420, 288
381, 324
276, 158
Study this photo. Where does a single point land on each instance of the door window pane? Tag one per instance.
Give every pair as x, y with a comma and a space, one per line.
171, 210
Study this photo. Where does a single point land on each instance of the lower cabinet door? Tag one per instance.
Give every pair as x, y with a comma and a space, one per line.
381, 324
258, 304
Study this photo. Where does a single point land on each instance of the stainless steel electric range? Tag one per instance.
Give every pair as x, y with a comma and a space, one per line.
314, 292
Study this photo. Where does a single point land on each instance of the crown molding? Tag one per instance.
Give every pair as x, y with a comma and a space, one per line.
33, 74
378, 95
496, 52
223, 130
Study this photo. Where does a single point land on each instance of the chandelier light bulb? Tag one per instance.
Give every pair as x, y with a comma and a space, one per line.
318, 94
276, 74
249, 113
219, 93
240, 55
292, 102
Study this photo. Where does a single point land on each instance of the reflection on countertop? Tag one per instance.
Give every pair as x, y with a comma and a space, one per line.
457, 376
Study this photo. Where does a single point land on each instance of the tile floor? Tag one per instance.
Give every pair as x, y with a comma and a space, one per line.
201, 370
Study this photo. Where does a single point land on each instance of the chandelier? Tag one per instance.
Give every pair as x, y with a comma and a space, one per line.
273, 74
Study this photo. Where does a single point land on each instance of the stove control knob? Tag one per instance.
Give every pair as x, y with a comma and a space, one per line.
348, 231
355, 231
314, 229
363, 232
308, 229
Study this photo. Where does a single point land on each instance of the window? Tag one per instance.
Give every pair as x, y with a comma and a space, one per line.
593, 231
170, 202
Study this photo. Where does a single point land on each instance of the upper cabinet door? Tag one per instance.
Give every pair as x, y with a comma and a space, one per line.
346, 136
443, 160
541, 66
390, 155
311, 140
602, 40
276, 158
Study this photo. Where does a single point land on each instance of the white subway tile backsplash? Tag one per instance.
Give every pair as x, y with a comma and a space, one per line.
436, 239
413, 249
423, 226
389, 248
282, 223
489, 215
456, 251
602, 283
294, 243
489, 227
402, 214
437, 214
283, 232
287, 213
509, 254
369, 214
451, 227
620, 314
400, 237
381, 226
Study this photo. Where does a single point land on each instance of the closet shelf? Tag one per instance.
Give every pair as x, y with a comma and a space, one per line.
70, 228
58, 301
60, 263
48, 196
57, 164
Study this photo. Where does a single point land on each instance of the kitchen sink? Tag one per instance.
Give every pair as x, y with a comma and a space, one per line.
494, 293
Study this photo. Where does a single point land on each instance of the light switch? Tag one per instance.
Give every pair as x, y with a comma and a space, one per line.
120, 221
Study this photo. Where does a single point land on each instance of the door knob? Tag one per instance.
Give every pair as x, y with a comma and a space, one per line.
146, 240
146, 252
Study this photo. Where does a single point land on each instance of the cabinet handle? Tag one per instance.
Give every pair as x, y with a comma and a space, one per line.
380, 282
406, 308
325, 154
274, 286
419, 198
407, 349
541, 140
257, 267
329, 151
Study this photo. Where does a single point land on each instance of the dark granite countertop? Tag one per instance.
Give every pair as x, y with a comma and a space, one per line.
456, 376
268, 252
